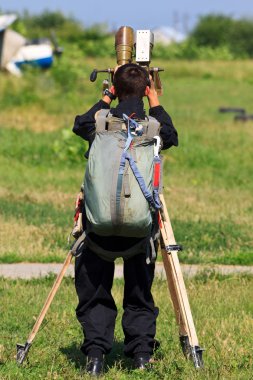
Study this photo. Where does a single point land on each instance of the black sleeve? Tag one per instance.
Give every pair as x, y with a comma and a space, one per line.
168, 132
84, 125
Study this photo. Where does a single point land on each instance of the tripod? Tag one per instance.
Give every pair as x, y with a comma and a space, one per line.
187, 333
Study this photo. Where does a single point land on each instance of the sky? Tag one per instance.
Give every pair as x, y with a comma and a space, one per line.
140, 14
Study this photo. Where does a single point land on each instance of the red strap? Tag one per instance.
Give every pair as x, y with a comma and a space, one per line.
78, 208
76, 216
157, 169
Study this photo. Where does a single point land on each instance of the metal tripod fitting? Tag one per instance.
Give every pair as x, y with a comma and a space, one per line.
193, 353
22, 351
93, 75
173, 247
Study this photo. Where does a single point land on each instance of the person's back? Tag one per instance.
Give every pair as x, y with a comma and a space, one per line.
96, 310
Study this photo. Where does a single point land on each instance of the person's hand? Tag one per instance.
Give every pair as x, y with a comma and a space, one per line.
108, 98
152, 94
112, 90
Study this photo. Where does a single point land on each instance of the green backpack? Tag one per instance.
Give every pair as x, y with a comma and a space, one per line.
118, 183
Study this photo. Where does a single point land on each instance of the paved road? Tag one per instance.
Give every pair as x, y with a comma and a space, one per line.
35, 270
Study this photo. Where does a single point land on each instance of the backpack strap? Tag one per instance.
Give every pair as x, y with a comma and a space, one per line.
100, 117
105, 121
153, 127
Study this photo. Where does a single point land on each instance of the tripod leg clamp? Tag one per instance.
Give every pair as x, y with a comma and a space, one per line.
173, 247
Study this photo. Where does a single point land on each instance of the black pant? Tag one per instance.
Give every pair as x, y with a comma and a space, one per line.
96, 310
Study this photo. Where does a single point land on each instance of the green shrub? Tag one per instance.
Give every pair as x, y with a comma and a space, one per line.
69, 148
13, 95
190, 50
92, 40
212, 30
217, 31
241, 38
40, 25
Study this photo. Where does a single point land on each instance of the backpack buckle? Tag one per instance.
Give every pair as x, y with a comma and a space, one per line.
157, 145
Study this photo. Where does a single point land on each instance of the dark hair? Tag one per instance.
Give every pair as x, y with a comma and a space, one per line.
130, 80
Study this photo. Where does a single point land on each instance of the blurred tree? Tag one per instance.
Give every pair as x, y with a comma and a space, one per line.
41, 24
67, 29
46, 20
213, 30
218, 30
215, 36
241, 38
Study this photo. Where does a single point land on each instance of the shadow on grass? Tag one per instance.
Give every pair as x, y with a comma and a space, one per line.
115, 358
74, 354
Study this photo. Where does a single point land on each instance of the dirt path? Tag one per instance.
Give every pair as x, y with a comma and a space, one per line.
35, 270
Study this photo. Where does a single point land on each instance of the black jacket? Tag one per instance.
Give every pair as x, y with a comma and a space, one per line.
84, 125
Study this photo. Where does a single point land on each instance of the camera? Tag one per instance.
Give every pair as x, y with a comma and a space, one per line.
130, 44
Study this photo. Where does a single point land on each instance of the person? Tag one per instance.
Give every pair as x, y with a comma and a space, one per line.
96, 310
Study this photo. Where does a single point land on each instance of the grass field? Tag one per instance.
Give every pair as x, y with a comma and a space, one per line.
222, 309
208, 188
207, 179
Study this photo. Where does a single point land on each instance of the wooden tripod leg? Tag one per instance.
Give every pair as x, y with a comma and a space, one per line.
183, 331
50, 297
22, 349
187, 331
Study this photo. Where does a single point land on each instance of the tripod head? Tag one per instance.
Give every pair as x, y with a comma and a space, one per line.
126, 43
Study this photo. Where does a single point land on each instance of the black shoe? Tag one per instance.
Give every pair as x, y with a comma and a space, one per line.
94, 366
142, 361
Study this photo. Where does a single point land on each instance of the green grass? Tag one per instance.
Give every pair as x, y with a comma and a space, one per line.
221, 307
36, 214
207, 179
220, 243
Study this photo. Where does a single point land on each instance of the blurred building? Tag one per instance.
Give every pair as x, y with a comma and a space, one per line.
167, 35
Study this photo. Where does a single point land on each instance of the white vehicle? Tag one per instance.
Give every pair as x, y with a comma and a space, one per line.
16, 50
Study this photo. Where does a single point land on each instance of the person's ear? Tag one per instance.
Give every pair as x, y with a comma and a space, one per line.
147, 90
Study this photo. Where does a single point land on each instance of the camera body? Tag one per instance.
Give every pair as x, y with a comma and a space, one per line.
126, 43
144, 42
